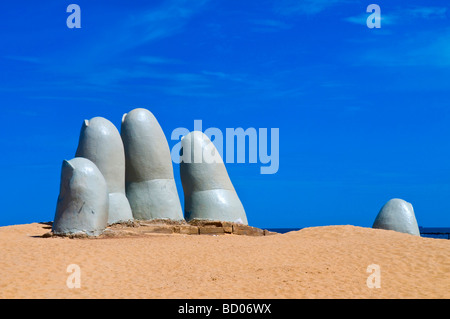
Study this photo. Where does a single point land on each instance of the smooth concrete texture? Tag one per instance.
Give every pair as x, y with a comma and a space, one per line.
397, 215
150, 183
208, 191
83, 201
100, 142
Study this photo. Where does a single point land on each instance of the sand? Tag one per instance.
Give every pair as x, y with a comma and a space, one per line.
319, 262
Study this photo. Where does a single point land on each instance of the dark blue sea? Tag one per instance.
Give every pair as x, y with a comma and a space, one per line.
430, 232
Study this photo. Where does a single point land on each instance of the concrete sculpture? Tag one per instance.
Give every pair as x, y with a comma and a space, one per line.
83, 200
397, 215
208, 191
101, 143
150, 183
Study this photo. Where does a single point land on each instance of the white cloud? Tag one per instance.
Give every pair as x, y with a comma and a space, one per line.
158, 23
429, 49
428, 12
362, 19
97, 64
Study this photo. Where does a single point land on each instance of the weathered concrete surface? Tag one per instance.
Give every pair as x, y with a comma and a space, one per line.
168, 227
397, 215
211, 230
83, 202
101, 143
150, 183
247, 230
208, 191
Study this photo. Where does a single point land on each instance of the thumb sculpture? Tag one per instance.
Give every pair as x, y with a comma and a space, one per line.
101, 143
83, 200
150, 183
397, 215
208, 191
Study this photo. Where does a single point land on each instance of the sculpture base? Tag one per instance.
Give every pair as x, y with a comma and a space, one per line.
154, 227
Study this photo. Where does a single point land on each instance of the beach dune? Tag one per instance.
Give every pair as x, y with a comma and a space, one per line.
319, 262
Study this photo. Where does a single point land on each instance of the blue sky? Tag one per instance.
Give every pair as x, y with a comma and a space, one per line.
363, 113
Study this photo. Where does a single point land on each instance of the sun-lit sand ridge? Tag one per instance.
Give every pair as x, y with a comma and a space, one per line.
321, 262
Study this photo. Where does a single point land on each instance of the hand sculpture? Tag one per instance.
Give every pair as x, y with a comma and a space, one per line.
397, 215
150, 183
208, 191
101, 143
83, 199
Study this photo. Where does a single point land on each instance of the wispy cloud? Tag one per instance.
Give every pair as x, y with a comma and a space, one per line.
157, 60
198, 91
116, 76
286, 92
135, 29
100, 65
428, 12
306, 7
224, 76
434, 52
430, 49
362, 19
269, 25
28, 59
167, 20
402, 15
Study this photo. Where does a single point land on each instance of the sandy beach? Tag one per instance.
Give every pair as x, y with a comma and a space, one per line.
319, 262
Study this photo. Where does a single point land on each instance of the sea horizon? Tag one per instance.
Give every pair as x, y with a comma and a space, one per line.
429, 232
425, 231
428, 228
